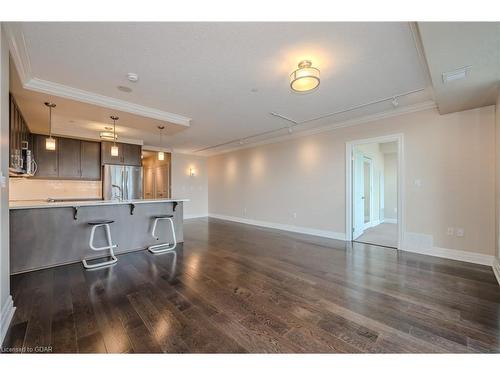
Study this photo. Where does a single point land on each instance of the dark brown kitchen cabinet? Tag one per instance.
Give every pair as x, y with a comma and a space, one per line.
128, 154
90, 160
46, 160
71, 160
132, 154
69, 156
106, 156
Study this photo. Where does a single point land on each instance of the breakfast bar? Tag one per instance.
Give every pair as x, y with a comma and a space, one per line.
46, 234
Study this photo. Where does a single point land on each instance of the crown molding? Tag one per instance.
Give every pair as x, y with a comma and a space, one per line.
20, 55
424, 106
18, 50
72, 93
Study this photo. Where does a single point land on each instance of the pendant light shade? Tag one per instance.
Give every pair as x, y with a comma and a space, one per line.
50, 143
305, 78
161, 154
114, 148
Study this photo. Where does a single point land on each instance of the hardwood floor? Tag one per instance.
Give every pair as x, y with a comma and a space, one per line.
239, 288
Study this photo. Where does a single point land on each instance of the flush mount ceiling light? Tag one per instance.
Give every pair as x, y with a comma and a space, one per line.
107, 135
305, 78
114, 148
161, 154
50, 143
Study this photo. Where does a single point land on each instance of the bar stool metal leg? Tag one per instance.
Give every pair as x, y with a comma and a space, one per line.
110, 246
163, 247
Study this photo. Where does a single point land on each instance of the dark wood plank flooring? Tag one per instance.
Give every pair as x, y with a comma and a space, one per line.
234, 288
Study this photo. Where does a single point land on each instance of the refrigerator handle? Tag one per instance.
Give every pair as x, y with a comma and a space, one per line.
127, 182
123, 183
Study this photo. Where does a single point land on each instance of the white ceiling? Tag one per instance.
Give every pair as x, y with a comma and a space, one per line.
225, 77
449, 46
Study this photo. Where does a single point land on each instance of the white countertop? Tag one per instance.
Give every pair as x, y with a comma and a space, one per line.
19, 205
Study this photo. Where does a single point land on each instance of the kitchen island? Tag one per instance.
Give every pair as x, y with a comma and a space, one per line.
46, 234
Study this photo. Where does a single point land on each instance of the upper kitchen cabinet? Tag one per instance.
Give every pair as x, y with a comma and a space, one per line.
128, 154
46, 160
90, 160
132, 154
107, 158
71, 160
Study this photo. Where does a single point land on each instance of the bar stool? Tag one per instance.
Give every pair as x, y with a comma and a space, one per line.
110, 246
160, 248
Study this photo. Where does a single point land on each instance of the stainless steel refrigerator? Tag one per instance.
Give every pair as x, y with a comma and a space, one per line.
122, 182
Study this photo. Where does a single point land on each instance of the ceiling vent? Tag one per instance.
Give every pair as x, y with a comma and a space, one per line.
456, 75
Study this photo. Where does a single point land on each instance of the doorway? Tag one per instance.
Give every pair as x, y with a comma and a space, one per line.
374, 191
156, 181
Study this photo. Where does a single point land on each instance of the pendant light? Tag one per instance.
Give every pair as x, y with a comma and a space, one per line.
161, 154
305, 78
50, 143
114, 148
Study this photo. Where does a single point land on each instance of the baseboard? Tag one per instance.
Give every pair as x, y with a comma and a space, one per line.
464, 256
496, 269
194, 216
390, 221
285, 227
6, 314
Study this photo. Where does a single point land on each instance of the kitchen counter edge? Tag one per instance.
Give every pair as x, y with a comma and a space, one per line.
20, 205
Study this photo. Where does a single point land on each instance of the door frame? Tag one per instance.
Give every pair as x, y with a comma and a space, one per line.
399, 137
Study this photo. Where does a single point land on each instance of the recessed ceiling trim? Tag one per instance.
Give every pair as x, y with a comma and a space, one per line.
18, 50
68, 92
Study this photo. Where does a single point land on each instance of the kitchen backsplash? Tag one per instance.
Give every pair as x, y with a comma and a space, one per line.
32, 189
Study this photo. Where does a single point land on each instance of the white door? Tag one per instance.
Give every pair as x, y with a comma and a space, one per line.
358, 195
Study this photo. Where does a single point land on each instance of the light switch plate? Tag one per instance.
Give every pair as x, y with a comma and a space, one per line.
460, 232
3, 181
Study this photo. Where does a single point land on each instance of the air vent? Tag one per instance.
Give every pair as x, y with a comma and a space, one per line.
456, 75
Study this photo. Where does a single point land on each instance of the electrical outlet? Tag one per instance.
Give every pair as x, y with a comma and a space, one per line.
460, 232
450, 231
3, 180
294, 215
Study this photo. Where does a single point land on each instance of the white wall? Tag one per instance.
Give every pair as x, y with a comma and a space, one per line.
6, 309
194, 188
391, 186
301, 182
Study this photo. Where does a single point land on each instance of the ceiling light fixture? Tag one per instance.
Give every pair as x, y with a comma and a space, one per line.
395, 102
305, 78
50, 143
114, 148
161, 154
107, 135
